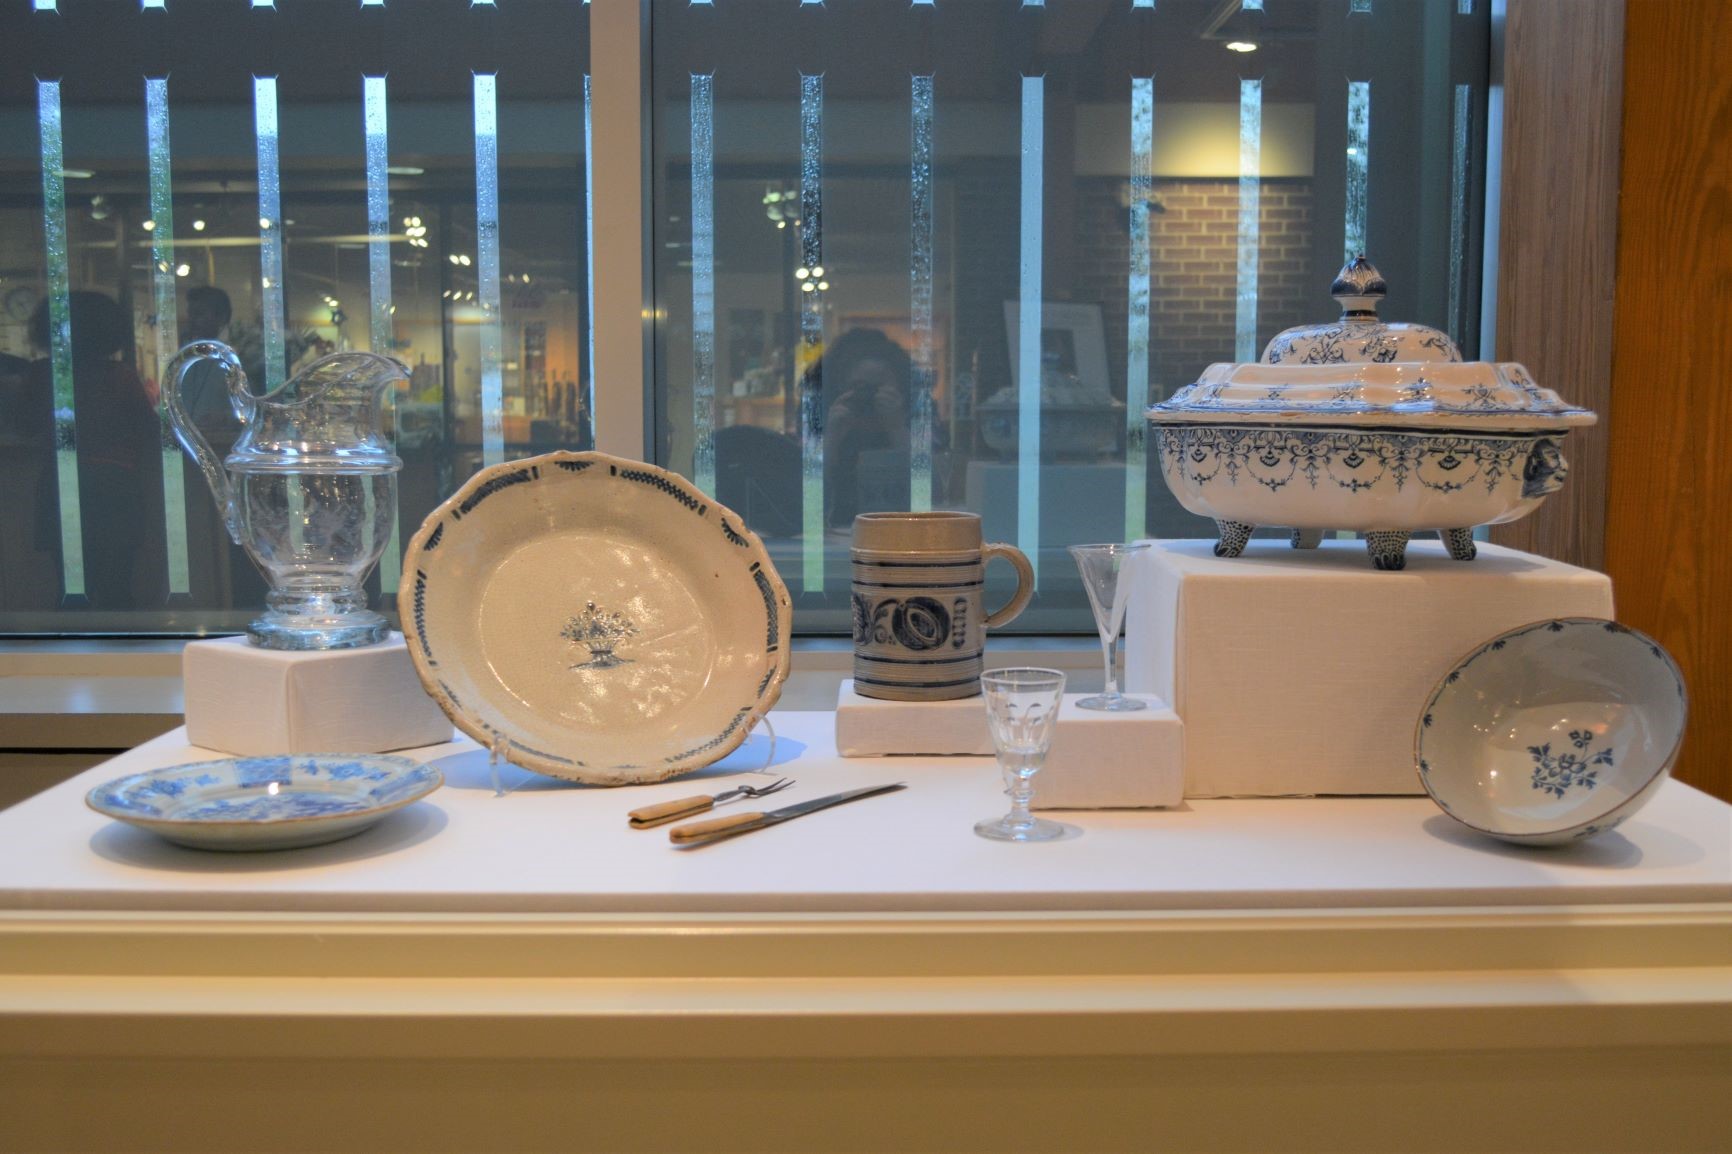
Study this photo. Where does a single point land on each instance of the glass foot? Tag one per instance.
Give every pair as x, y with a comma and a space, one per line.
1112, 703
1035, 829
349, 632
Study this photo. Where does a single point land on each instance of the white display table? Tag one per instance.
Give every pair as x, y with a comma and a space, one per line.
522, 971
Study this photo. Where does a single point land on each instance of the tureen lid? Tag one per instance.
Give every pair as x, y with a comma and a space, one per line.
1362, 370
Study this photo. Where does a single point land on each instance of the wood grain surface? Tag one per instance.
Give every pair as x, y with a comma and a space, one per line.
1557, 247
1669, 512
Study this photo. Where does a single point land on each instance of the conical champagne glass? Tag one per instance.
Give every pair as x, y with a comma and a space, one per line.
1101, 566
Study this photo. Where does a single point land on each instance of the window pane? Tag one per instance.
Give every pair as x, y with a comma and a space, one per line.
404, 177
941, 255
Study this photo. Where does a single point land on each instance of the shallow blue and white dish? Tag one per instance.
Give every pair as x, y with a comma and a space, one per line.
265, 803
1552, 732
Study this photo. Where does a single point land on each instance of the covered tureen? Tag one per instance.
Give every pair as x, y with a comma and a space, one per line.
1363, 425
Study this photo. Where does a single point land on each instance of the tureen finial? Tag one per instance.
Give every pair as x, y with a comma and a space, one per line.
1358, 286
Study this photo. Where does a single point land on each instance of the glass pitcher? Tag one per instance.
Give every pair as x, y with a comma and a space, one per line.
309, 489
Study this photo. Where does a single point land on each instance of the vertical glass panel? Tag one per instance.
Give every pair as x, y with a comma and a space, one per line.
1358, 165
703, 283
59, 314
811, 368
1023, 247
1459, 178
920, 289
164, 270
1030, 318
270, 226
303, 204
487, 268
1250, 216
1142, 190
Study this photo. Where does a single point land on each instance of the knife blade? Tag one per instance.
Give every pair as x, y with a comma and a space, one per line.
701, 832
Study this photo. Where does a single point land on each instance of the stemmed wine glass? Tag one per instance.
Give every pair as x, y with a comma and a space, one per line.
1021, 711
1100, 566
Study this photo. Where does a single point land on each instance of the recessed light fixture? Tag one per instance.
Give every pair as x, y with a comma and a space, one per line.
76, 174
198, 226
405, 170
1241, 46
148, 226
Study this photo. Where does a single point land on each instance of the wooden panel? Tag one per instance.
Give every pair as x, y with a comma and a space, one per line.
1669, 513
1558, 241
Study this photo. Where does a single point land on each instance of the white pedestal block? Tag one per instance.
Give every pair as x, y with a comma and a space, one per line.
1304, 671
244, 700
1098, 760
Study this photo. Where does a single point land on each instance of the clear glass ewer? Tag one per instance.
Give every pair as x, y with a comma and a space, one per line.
309, 488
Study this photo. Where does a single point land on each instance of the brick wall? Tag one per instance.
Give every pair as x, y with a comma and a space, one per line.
1194, 257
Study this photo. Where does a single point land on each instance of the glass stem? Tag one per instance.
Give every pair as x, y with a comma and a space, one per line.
1110, 646
1021, 794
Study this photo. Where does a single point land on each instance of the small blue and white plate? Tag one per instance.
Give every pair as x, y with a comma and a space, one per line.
1553, 732
264, 803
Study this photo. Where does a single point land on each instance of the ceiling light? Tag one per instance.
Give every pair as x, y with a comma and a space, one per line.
1241, 46
802, 273
148, 226
405, 170
807, 286
76, 173
463, 260
183, 270
818, 270
198, 226
823, 286
265, 223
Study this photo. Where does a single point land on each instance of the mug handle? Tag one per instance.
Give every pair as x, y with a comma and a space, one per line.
1007, 612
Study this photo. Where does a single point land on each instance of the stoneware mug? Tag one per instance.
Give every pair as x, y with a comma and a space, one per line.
919, 622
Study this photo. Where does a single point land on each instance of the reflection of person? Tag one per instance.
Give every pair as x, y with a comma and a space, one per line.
119, 451
865, 380
221, 572
205, 391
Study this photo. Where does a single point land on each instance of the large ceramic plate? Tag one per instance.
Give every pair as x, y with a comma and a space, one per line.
260, 803
595, 619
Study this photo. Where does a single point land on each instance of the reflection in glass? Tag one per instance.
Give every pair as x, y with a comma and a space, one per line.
1010, 230
703, 283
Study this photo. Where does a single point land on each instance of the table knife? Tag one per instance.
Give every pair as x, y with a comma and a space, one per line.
700, 832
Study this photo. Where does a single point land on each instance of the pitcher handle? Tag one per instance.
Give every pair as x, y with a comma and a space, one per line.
186, 430
1007, 612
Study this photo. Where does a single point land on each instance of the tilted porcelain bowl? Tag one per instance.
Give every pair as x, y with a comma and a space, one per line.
1552, 732
1367, 426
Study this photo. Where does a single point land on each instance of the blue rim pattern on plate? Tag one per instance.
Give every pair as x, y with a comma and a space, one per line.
265, 802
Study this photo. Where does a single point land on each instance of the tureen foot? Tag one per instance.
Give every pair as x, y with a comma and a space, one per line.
1234, 535
1459, 542
1388, 548
1307, 538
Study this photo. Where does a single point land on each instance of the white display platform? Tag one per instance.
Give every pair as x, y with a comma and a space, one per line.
244, 700
1098, 761
551, 846
1303, 672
